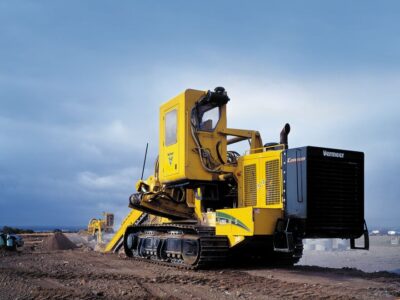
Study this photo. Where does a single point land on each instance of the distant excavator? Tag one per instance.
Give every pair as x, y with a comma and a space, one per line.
97, 227
206, 203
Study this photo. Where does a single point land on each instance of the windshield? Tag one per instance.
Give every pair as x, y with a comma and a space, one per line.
209, 119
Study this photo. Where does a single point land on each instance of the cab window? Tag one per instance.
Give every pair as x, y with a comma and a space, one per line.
209, 119
170, 127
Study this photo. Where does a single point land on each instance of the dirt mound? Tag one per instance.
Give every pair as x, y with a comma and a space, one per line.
58, 241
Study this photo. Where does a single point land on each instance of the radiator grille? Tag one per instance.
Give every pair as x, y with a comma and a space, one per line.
335, 194
272, 184
250, 186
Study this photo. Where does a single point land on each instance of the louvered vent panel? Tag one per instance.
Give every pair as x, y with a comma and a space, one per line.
273, 193
335, 193
250, 188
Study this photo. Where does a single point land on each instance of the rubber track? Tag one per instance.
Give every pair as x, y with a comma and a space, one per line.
213, 249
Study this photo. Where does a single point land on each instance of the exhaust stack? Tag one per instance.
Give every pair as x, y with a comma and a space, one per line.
284, 135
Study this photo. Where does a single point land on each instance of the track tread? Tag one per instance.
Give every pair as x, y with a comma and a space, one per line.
213, 249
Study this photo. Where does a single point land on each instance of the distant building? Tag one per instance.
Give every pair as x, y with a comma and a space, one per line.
391, 232
326, 244
395, 241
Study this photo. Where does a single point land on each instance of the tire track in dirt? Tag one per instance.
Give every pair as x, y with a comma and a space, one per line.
90, 275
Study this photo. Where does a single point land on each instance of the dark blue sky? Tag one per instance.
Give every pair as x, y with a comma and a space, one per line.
81, 83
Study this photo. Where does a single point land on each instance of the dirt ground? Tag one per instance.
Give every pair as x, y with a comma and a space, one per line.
85, 274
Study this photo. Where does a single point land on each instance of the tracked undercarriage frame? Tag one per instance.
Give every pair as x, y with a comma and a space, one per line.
179, 245
197, 247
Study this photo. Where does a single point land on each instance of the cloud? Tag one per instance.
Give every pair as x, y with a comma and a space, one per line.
116, 181
318, 105
77, 107
87, 157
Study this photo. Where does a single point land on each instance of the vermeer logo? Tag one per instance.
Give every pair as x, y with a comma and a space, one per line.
333, 154
170, 157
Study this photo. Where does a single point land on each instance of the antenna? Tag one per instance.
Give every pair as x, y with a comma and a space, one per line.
144, 162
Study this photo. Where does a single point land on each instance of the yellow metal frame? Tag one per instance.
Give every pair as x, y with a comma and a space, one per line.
130, 219
237, 223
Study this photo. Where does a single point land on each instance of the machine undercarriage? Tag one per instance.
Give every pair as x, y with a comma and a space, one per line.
181, 245
193, 246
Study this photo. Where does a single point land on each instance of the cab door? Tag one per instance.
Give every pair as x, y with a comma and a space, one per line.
170, 159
